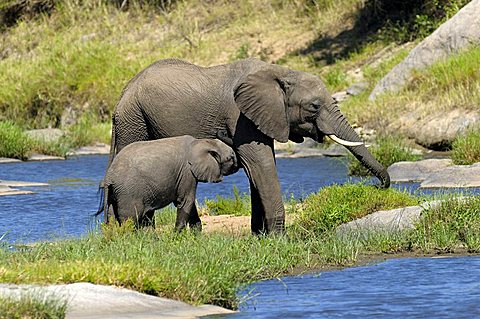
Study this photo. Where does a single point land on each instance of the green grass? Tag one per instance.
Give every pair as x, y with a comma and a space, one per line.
14, 142
211, 267
454, 223
466, 148
387, 150
32, 305
239, 205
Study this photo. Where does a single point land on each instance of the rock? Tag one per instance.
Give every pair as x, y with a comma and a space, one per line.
340, 96
436, 131
357, 88
386, 220
96, 149
4, 160
47, 134
7, 191
416, 171
88, 301
458, 176
21, 184
41, 157
458, 33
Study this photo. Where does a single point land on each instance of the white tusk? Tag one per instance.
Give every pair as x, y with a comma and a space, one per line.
343, 142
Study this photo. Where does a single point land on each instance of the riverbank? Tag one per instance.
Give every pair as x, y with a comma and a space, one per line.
208, 268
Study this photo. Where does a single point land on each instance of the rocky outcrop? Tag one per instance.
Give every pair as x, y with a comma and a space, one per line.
458, 33
436, 131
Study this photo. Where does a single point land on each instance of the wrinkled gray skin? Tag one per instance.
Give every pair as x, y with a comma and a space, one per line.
146, 176
247, 104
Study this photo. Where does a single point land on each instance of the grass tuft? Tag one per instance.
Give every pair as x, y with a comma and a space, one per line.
32, 305
239, 205
14, 142
466, 148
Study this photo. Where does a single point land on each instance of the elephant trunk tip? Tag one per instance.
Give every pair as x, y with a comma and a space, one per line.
385, 181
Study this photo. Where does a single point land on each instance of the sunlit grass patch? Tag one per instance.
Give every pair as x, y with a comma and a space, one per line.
466, 148
454, 222
32, 304
14, 142
239, 205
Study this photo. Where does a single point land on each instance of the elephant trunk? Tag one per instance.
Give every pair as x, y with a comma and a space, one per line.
334, 123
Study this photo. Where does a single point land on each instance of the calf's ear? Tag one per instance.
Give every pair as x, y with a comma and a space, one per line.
204, 161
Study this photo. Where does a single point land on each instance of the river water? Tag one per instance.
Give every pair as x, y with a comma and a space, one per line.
398, 288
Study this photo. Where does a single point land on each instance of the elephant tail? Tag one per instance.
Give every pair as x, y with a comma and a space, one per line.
104, 203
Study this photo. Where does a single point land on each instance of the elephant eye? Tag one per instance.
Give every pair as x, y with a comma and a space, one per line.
315, 104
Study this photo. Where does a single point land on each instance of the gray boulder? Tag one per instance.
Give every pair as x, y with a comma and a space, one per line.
457, 176
386, 221
416, 171
458, 33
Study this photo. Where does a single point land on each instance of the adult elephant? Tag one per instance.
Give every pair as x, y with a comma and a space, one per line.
246, 104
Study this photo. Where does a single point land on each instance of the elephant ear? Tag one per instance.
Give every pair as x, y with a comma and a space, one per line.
261, 98
204, 162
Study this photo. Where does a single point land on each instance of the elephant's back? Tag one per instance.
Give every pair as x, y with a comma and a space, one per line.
161, 158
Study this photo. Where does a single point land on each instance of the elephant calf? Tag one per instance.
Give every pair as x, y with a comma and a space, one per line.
149, 175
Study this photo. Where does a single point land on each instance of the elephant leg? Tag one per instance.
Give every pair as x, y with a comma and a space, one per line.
255, 151
258, 222
184, 208
193, 219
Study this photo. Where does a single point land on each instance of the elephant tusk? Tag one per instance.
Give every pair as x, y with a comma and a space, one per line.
343, 142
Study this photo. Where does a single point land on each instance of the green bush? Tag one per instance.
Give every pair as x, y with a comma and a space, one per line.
14, 142
387, 150
466, 148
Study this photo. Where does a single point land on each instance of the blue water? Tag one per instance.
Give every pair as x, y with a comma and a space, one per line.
65, 207
398, 288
